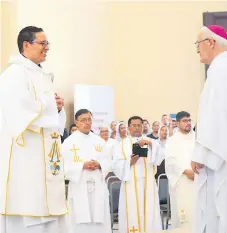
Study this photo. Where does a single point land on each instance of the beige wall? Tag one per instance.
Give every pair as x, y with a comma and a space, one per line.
8, 30
144, 50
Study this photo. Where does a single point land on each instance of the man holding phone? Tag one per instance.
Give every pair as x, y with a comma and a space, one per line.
134, 163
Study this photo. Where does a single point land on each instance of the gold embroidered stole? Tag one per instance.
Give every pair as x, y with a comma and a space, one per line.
136, 227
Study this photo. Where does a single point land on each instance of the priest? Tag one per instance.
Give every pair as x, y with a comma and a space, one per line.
32, 190
139, 201
209, 159
178, 153
86, 166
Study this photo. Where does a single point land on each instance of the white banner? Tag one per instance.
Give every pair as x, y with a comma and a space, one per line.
99, 100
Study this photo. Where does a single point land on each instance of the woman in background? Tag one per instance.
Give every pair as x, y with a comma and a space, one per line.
163, 134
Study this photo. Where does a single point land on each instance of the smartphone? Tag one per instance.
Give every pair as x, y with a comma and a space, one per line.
141, 151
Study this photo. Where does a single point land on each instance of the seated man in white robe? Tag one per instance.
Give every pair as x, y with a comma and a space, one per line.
139, 209
32, 189
178, 152
86, 166
210, 155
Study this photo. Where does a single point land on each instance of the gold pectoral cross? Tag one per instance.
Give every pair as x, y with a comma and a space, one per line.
76, 157
133, 230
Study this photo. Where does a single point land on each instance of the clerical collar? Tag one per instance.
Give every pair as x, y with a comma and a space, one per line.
29, 59
83, 134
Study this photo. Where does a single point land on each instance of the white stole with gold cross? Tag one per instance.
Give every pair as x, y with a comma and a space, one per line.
77, 149
144, 170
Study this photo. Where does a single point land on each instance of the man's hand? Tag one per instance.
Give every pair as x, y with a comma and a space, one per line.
196, 166
190, 174
143, 142
134, 159
88, 165
59, 102
91, 165
96, 165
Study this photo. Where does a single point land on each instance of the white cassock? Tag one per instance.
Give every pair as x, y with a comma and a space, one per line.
109, 151
139, 209
32, 190
179, 149
211, 150
88, 196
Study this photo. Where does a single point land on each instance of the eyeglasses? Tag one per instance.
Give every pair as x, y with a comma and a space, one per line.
43, 43
84, 120
198, 42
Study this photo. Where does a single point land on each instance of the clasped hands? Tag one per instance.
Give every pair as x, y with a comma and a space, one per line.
92, 165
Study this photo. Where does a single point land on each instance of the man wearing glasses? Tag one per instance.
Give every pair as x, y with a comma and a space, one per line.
209, 160
32, 190
86, 166
178, 152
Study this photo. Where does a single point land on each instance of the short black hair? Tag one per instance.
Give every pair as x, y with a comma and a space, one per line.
134, 118
27, 34
144, 120
80, 112
72, 125
181, 115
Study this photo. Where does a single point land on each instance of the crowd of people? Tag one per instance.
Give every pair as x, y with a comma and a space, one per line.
170, 140
114, 132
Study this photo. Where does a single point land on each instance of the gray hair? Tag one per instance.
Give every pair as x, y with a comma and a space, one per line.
207, 33
105, 126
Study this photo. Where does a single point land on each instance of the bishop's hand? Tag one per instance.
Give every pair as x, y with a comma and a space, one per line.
190, 174
196, 166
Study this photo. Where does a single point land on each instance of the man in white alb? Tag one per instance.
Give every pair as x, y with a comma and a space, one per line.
32, 190
86, 166
139, 202
178, 153
210, 156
